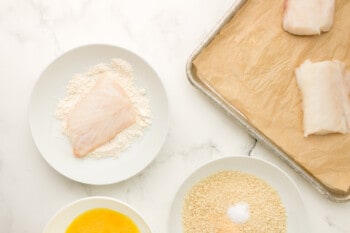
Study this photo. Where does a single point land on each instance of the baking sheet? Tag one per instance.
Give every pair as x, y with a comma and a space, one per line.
249, 67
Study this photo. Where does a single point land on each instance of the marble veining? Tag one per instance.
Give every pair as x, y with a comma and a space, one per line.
335, 226
253, 147
165, 33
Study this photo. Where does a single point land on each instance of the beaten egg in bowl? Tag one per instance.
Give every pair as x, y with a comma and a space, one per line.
102, 220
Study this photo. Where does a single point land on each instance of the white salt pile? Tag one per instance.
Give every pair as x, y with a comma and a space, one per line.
239, 213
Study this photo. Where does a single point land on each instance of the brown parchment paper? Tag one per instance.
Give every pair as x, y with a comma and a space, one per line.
251, 63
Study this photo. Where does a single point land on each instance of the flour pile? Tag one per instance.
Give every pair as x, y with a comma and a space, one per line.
81, 84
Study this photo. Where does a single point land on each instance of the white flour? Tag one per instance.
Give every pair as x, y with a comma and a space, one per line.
81, 84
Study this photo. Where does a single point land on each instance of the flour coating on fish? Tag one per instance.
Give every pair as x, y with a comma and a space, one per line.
325, 97
308, 17
81, 84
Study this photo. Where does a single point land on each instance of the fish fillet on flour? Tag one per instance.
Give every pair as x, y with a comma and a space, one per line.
325, 97
98, 117
308, 17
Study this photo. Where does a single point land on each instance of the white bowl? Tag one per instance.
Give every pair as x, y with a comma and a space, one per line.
60, 222
56, 148
289, 193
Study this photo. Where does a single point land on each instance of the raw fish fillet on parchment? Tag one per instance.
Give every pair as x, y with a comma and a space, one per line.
310, 17
251, 64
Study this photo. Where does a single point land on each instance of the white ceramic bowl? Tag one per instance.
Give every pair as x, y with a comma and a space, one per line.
56, 148
60, 222
289, 193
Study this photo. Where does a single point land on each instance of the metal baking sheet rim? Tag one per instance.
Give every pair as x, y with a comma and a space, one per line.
241, 119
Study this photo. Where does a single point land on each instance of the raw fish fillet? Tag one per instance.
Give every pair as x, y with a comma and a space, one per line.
103, 113
325, 99
308, 17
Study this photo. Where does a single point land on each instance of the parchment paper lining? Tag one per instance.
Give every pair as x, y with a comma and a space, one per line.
251, 64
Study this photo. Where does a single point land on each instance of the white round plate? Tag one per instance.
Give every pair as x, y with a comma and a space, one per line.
56, 148
61, 221
278, 179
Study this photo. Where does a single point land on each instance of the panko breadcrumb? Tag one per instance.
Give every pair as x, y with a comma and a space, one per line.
206, 204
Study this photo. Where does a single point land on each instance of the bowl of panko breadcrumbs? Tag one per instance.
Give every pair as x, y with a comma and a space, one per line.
238, 195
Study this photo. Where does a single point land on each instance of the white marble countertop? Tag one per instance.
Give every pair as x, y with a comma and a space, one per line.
164, 32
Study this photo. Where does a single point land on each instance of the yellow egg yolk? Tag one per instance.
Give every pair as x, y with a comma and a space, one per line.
101, 220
